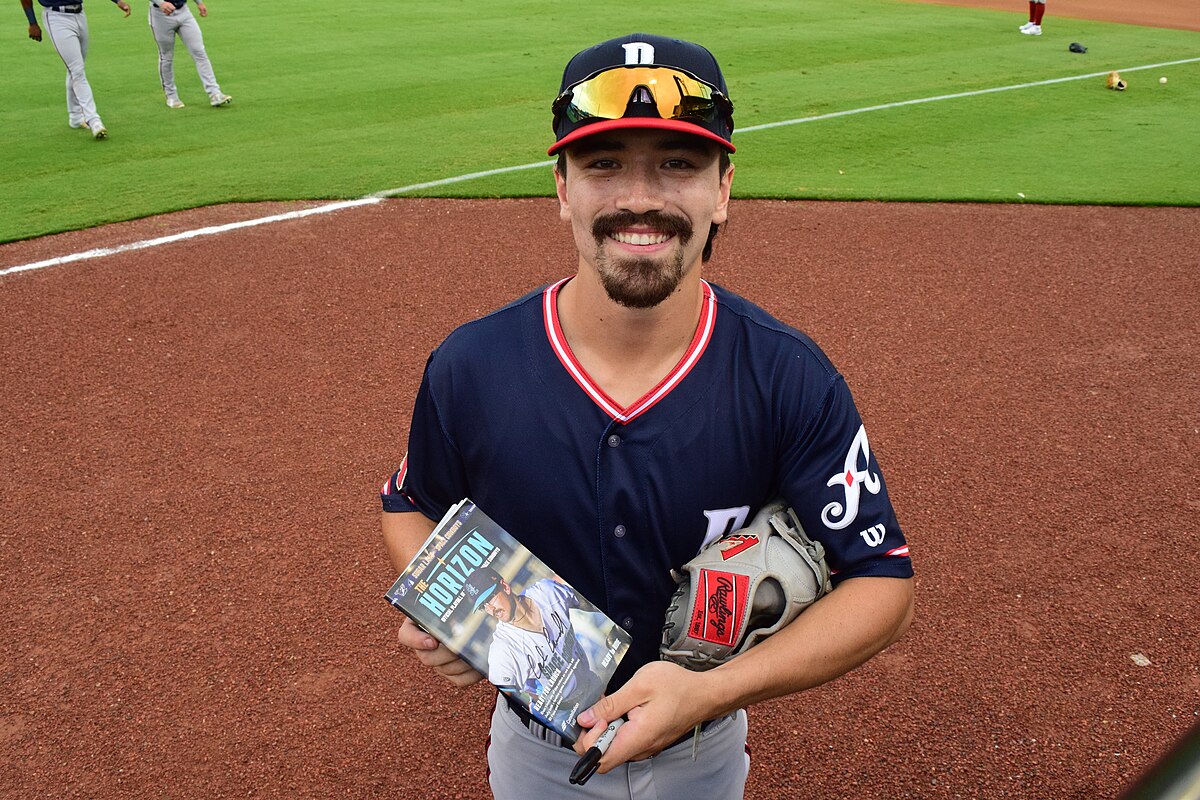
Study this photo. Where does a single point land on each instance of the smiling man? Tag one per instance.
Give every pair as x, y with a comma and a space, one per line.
622, 418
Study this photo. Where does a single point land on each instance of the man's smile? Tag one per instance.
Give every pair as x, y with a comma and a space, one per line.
642, 230
635, 238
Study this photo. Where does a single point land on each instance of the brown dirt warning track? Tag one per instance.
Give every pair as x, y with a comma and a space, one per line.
193, 437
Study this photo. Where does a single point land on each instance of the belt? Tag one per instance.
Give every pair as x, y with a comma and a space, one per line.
546, 734
76, 9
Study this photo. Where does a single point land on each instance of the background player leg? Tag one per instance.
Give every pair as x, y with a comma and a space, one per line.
69, 35
1034, 26
163, 28
75, 115
189, 32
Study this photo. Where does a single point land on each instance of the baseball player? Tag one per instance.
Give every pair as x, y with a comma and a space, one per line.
1037, 9
67, 26
621, 418
171, 18
534, 637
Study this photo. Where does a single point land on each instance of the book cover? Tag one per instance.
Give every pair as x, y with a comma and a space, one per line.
481, 593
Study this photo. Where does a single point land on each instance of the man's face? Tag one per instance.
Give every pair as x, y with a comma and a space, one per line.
640, 204
500, 605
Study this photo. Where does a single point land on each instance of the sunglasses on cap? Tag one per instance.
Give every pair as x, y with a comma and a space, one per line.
675, 94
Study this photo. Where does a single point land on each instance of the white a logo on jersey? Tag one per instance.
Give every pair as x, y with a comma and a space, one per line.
638, 53
852, 480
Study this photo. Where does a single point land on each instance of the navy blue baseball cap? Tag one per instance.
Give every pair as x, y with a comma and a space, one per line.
481, 585
643, 81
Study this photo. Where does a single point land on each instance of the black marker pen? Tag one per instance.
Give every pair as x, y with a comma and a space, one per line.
590, 761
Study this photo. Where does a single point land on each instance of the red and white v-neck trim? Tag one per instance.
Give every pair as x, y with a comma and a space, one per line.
703, 335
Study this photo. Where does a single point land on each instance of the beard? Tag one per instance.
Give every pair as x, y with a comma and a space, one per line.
640, 282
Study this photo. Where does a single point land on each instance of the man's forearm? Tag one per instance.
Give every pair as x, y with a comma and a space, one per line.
403, 535
839, 632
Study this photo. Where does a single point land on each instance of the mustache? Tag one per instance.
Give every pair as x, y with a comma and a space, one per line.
670, 224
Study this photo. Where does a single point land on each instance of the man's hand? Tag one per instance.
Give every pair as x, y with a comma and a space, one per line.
121, 4
438, 657
201, 8
662, 702
35, 32
167, 7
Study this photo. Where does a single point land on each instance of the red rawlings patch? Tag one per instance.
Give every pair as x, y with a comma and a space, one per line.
719, 606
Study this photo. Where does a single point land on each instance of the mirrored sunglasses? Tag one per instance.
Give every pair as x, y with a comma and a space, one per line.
674, 93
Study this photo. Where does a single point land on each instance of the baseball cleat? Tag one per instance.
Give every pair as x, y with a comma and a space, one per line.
1025, 27
99, 131
220, 99
1032, 30
79, 124
174, 102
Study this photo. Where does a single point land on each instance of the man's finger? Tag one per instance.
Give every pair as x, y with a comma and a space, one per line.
414, 638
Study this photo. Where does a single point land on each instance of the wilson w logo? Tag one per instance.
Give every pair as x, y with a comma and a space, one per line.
873, 535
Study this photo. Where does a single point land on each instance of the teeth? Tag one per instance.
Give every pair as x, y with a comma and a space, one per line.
641, 238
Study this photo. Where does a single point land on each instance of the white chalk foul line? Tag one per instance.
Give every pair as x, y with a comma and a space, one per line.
470, 176
192, 234
957, 95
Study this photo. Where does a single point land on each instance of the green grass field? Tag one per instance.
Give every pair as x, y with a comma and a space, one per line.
340, 102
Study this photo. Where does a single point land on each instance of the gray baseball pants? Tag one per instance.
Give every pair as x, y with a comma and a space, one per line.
164, 27
69, 35
523, 766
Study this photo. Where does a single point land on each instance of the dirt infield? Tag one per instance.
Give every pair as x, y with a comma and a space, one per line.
194, 436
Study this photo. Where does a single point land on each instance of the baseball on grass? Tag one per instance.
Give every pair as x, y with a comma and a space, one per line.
1163, 79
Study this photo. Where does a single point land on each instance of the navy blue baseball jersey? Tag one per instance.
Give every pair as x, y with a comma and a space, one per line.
614, 498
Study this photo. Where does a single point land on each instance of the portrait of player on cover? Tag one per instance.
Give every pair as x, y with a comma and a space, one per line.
536, 650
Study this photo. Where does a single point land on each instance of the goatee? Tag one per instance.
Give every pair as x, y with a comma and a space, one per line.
640, 282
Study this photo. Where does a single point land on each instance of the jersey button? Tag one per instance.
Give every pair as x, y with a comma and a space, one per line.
627, 623
619, 531
614, 440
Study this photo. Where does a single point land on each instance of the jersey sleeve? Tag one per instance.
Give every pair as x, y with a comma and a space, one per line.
833, 481
431, 477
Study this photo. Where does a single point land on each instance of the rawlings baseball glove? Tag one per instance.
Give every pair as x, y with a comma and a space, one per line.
1115, 81
743, 588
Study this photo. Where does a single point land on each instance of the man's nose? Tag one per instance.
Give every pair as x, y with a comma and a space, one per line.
642, 192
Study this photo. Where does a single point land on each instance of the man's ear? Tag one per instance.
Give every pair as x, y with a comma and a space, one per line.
560, 186
721, 213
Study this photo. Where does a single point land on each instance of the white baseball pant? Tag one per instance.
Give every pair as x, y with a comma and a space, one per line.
164, 27
69, 35
523, 766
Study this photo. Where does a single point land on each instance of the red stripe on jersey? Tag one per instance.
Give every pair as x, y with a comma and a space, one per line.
398, 484
703, 335
899, 551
